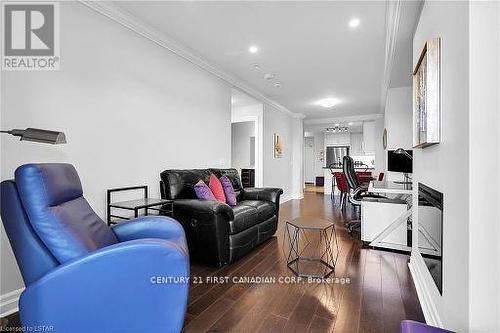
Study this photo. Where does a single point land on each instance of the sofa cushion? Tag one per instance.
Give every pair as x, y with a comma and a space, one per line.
244, 218
216, 187
179, 184
228, 191
233, 176
203, 192
265, 209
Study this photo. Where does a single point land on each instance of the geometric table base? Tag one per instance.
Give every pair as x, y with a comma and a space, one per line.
320, 266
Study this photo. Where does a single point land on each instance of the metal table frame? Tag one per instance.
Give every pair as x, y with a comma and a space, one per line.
136, 205
403, 193
326, 259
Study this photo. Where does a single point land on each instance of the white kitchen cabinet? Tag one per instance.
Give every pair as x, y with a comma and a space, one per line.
356, 144
369, 137
337, 139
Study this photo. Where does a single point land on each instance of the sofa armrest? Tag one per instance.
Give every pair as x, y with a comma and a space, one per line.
207, 228
109, 289
266, 194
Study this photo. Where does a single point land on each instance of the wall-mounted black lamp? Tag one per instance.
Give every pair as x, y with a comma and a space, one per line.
401, 151
38, 135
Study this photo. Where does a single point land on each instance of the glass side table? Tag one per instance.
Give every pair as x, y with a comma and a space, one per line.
163, 207
323, 263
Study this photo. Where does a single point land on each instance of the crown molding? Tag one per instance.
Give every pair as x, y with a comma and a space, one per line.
129, 21
366, 117
392, 16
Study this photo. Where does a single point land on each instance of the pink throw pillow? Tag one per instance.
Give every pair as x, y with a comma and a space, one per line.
217, 189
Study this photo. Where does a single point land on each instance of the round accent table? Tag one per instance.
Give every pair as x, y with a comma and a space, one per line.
307, 257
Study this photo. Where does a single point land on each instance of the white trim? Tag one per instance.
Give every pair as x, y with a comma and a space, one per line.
418, 269
284, 198
366, 117
393, 14
9, 302
126, 19
288, 197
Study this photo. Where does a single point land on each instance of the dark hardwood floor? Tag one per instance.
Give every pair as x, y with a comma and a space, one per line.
380, 293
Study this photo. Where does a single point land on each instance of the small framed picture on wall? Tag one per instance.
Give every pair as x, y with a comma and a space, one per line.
278, 146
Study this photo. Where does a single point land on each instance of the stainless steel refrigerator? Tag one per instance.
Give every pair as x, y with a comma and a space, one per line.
335, 155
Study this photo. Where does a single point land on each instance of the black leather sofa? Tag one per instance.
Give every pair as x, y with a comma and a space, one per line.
217, 233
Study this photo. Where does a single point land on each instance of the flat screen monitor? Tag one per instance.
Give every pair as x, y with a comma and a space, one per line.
399, 162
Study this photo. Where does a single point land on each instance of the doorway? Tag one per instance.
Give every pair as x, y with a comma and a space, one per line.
309, 160
247, 136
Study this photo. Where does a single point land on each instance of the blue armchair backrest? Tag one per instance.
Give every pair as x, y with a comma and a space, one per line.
33, 257
52, 198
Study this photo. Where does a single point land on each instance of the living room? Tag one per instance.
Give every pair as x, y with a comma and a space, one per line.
145, 91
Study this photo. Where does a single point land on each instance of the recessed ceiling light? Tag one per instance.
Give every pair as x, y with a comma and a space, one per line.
277, 84
350, 124
327, 102
256, 66
354, 22
269, 76
253, 49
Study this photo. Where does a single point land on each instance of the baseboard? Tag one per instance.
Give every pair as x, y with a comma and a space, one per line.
427, 304
288, 197
9, 302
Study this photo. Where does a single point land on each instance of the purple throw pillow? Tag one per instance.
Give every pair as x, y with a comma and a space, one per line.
227, 186
203, 192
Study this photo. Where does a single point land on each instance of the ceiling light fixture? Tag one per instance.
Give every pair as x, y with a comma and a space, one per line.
277, 84
256, 66
253, 49
350, 124
337, 129
269, 76
354, 22
328, 102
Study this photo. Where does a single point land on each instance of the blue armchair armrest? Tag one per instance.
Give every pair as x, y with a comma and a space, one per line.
160, 227
133, 286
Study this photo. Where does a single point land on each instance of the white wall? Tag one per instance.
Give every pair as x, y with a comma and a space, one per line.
398, 122
398, 118
297, 158
129, 108
241, 134
484, 128
278, 171
445, 166
319, 146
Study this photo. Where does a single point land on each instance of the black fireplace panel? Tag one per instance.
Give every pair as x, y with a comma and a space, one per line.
430, 237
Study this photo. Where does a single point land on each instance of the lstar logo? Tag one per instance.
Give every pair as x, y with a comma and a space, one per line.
31, 36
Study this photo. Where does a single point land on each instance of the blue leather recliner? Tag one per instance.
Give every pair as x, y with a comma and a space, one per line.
83, 276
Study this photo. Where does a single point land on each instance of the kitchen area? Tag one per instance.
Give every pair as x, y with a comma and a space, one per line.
326, 145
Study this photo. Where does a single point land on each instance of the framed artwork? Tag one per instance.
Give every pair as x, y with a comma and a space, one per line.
278, 146
427, 96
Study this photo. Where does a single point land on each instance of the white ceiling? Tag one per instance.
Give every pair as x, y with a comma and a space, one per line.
308, 45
